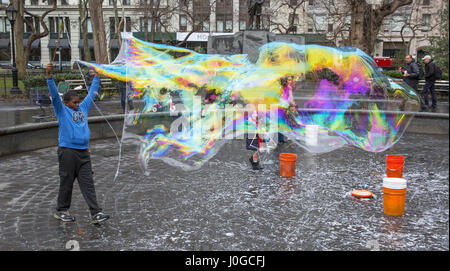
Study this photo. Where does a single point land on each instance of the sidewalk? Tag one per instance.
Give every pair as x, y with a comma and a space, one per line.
226, 206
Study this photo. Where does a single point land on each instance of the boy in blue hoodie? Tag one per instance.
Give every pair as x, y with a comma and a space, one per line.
73, 153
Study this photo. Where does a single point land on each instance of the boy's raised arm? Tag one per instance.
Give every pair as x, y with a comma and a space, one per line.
92, 92
56, 100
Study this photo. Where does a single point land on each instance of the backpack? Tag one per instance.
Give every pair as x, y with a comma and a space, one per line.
437, 72
421, 73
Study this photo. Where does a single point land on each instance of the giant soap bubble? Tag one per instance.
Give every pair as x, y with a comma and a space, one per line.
187, 105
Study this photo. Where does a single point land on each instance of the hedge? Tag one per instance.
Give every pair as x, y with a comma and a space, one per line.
32, 81
39, 80
397, 74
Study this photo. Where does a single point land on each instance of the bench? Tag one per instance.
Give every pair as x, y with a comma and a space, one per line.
107, 87
441, 87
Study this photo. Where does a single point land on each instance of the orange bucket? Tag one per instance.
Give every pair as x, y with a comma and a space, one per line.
287, 164
394, 166
394, 192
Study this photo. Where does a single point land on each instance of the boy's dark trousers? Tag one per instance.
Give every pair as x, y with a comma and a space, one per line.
73, 164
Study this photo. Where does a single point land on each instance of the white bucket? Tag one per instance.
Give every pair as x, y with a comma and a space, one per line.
394, 183
312, 135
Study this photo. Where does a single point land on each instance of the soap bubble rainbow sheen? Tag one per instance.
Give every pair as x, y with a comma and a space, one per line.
188, 105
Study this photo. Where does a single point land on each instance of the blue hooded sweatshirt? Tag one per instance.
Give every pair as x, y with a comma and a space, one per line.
73, 125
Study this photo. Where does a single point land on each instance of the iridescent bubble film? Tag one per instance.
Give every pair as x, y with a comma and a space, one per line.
187, 104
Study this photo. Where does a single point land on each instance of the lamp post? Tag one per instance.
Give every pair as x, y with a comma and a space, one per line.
11, 12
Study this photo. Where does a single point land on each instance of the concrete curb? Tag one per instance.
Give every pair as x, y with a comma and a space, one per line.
28, 137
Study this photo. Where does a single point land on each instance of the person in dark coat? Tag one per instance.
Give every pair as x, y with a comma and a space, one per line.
123, 95
430, 79
411, 72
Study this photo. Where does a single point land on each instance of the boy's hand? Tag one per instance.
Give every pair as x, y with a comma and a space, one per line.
48, 70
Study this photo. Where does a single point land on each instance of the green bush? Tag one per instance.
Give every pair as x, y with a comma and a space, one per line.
397, 74
393, 73
39, 80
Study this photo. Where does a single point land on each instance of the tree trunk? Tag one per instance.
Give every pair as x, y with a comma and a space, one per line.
98, 29
366, 21
116, 22
82, 8
21, 61
361, 27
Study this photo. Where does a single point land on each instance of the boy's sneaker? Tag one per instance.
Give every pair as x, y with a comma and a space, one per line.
64, 216
99, 217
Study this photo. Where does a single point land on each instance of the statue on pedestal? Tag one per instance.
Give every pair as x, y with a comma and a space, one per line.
254, 9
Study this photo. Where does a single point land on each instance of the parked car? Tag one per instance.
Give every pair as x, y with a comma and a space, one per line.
32, 66
6, 66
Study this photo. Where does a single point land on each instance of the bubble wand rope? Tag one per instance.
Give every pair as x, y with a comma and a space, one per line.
99, 111
61, 29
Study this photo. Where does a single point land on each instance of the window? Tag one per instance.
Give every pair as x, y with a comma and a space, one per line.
34, 2
219, 24
265, 22
51, 2
321, 23
386, 23
229, 24
66, 24
8, 25
293, 20
426, 2
119, 2
183, 23
54, 24
64, 2
397, 23
242, 25
142, 24
224, 22
89, 25
224, 3
426, 22
149, 26
27, 28
205, 26
2, 25
311, 2
202, 25
330, 27
112, 25
310, 23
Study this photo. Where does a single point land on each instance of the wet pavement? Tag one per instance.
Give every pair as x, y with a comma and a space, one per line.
226, 206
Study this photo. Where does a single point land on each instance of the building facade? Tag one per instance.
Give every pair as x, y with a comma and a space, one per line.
320, 21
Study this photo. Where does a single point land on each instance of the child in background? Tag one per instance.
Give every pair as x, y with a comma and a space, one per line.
73, 153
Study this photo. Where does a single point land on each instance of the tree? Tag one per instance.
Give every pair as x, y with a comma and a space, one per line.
439, 45
366, 20
290, 7
23, 52
411, 26
98, 29
84, 14
339, 15
194, 17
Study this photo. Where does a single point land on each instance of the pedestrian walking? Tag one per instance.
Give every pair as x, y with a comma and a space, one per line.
431, 74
